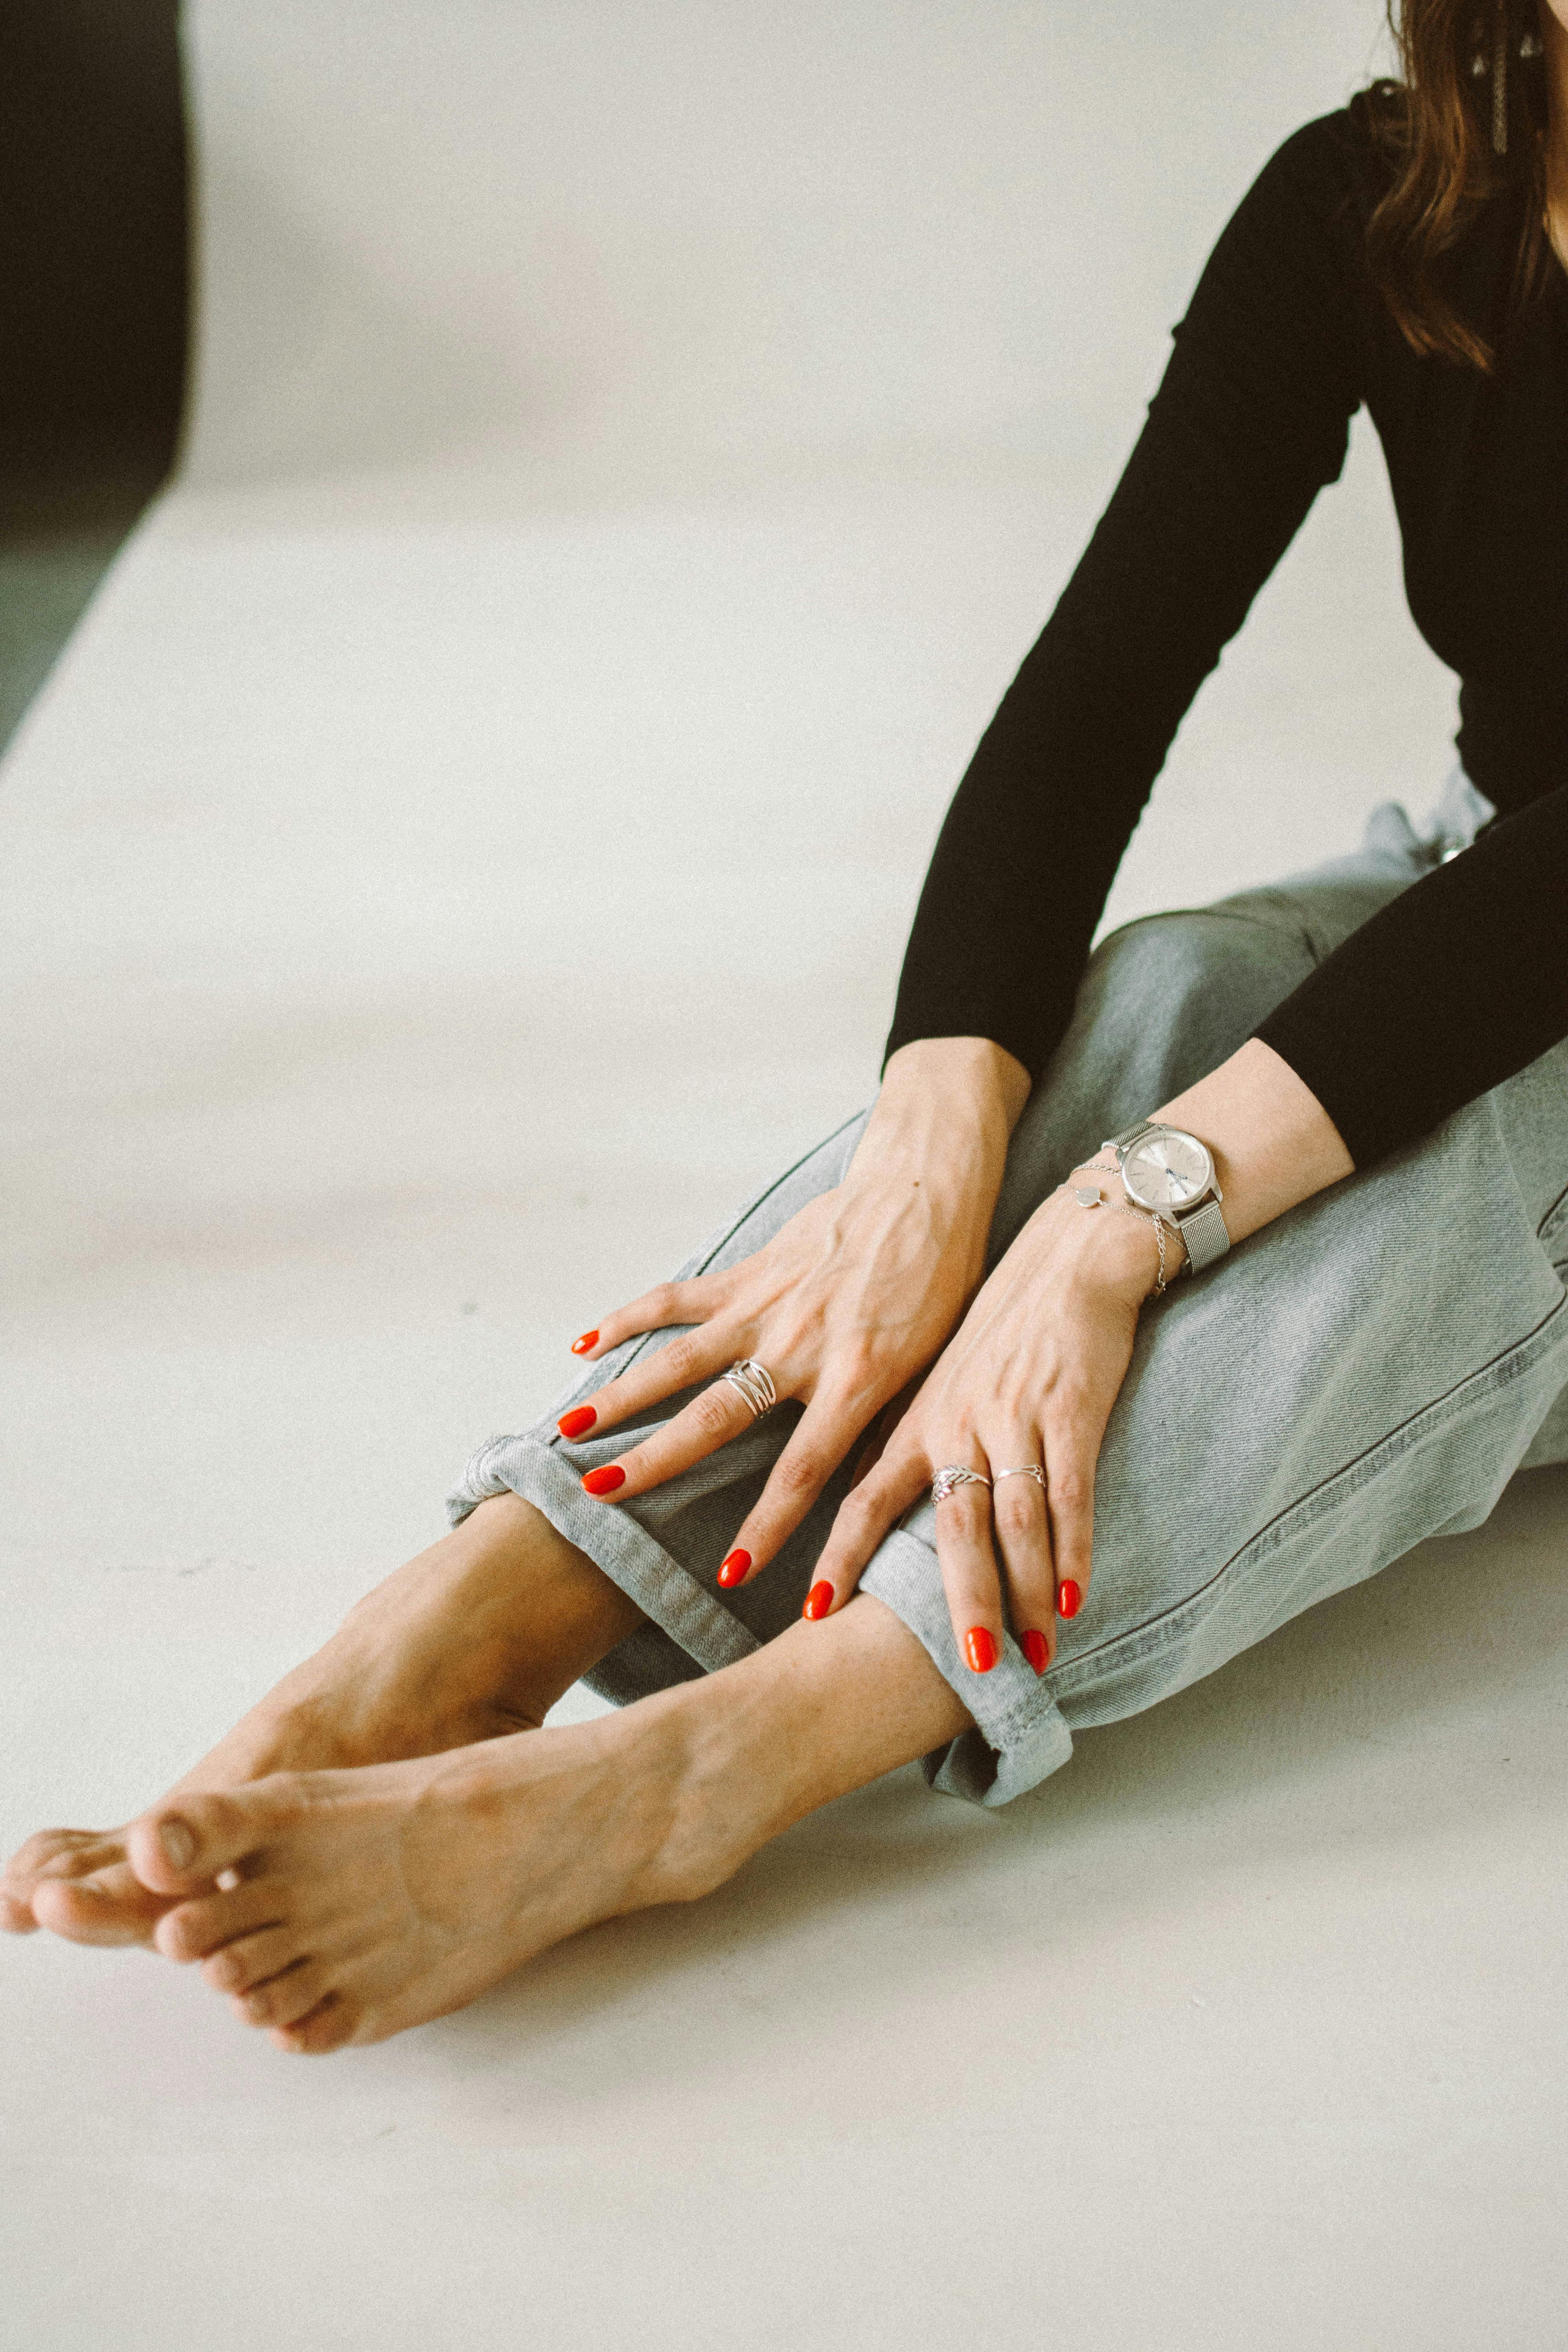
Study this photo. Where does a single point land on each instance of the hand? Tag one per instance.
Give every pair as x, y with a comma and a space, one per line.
847, 1303
1034, 1371
1029, 1377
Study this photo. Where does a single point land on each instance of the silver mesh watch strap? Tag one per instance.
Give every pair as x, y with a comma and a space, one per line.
1121, 1144
1203, 1230
1204, 1236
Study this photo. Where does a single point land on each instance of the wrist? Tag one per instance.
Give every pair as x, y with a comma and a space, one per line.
971, 1077
1272, 1143
943, 1120
1142, 1252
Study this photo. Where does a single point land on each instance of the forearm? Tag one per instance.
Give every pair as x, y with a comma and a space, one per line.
1272, 1142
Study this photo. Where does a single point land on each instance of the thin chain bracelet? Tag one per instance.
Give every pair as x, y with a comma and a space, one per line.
1125, 1208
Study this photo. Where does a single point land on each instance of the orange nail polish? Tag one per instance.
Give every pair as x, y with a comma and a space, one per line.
1033, 1646
581, 1346
578, 1422
604, 1481
818, 1601
980, 1650
1069, 1598
732, 1568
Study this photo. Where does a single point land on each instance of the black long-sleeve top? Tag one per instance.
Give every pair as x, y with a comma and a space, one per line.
1463, 979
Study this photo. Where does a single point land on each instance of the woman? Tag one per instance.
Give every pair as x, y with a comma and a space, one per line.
1018, 1476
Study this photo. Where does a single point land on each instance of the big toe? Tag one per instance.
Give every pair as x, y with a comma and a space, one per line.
184, 1844
110, 1907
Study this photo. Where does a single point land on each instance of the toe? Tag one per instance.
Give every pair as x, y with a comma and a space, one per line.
111, 1908
329, 2025
16, 1917
56, 1854
183, 1845
285, 2000
78, 1883
193, 1930
251, 1959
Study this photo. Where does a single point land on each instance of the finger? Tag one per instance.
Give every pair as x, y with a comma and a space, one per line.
715, 1414
1072, 1442
656, 1310
864, 1517
700, 1354
866, 1461
823, 1436
882, 1428
969, 1574
1022, 1537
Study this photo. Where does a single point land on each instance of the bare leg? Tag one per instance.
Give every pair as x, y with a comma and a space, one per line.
363, 1902
476, 1638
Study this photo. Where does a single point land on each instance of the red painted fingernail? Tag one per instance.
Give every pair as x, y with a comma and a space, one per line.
980, 1650
1033, 1646
581, 1346
732, 1568
606, 1481
1069, 1598
578, 1422
818, 1601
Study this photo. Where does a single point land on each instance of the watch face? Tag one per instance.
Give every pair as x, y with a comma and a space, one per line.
1168, 1171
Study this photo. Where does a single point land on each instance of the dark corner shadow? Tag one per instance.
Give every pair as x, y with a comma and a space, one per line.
1405, 1659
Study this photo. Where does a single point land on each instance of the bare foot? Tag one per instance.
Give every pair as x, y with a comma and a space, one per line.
359, 1903
475, 1638
342, 1906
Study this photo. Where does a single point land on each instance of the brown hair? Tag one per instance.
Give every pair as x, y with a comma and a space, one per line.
1434, 131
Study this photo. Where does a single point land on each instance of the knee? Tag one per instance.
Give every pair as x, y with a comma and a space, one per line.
1206, 977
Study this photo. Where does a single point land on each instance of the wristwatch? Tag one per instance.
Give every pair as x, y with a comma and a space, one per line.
1169, 1174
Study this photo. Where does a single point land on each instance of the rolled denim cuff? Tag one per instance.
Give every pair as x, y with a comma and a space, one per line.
551, 1478
1020, 1735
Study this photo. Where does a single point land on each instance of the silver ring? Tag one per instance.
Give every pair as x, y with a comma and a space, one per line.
955, 1474
754, 1382
1020, 1470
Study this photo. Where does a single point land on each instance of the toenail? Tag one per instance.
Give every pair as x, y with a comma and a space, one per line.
179, 1843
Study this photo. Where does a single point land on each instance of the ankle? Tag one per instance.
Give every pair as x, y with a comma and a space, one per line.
712, 1808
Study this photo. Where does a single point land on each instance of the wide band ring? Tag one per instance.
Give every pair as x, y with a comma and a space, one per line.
754, 1382
955, 1474
1020, 1470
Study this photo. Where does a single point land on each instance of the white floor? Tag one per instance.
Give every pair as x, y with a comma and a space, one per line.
439, 882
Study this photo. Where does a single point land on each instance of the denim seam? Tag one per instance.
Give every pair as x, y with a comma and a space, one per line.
1557, 1215
1145, 1641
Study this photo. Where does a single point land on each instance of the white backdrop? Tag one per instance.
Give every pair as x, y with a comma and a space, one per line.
470, 842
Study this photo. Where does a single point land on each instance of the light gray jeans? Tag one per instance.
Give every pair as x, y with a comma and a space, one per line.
1370, 1370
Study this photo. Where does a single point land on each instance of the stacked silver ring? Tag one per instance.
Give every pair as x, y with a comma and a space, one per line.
753, 1381
1020, 1470
955, 1474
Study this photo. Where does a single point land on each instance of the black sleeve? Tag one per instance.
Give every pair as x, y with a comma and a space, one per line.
1250, 420
1448, 990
